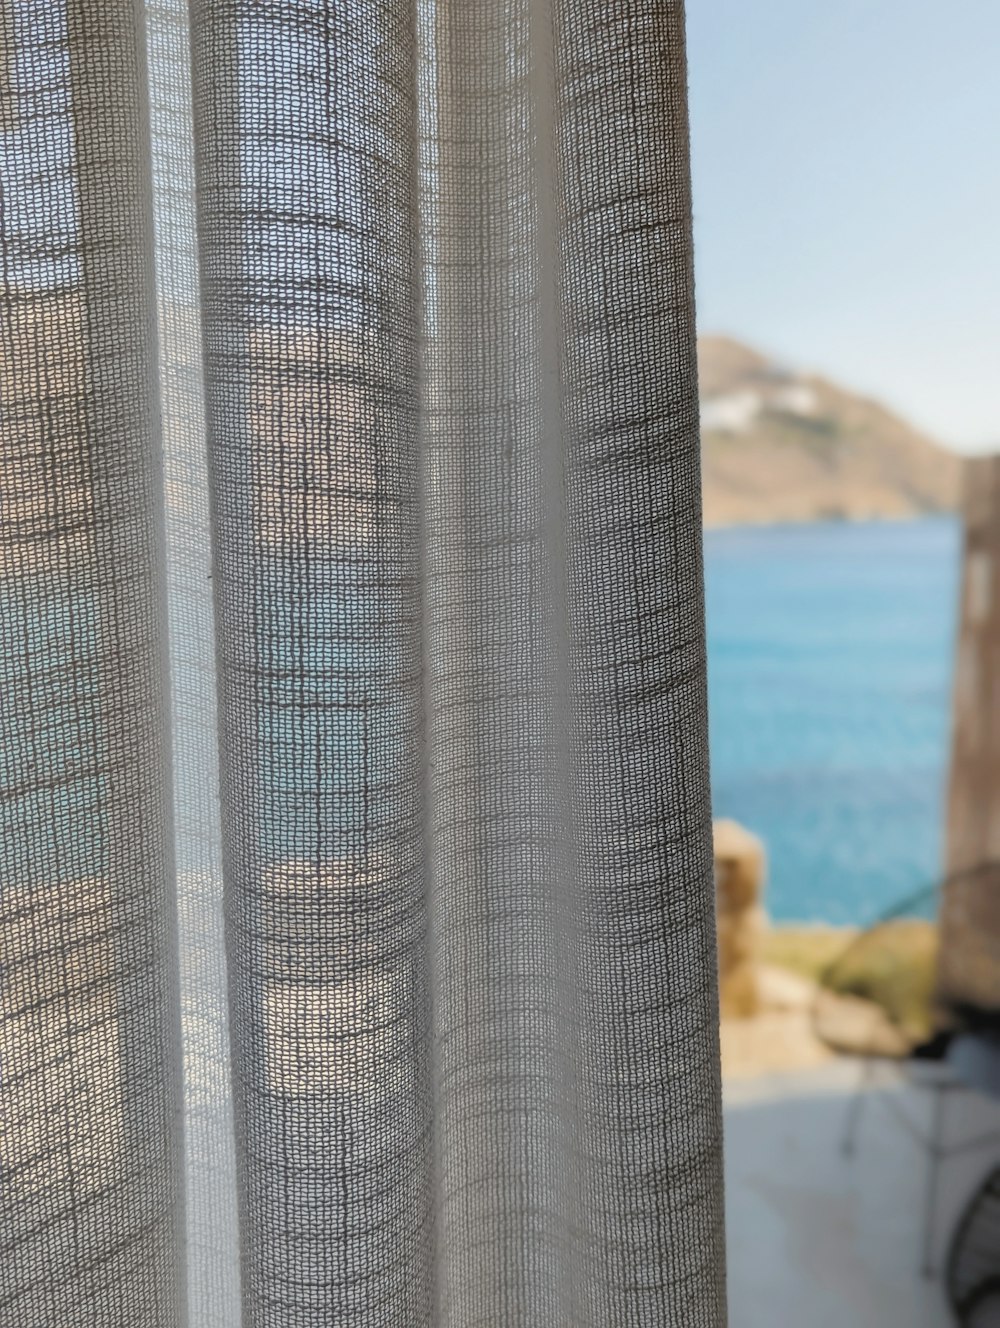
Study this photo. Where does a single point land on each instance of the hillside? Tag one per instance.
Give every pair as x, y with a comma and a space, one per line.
783, 446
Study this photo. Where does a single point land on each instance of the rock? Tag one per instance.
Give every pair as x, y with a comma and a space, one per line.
773, 1042
781, 1036
780, 990
858, 1027
740, 869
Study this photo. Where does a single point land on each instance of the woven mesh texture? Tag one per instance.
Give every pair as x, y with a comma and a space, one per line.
89, 1120
415, 941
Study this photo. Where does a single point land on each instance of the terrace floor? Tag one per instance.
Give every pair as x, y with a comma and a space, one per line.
820, 1240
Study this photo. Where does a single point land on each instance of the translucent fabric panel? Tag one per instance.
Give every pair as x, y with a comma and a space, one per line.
577, 1093
307, 207
90, 1118
350, 462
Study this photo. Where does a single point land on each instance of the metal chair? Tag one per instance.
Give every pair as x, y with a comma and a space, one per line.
972, 1275
889, 971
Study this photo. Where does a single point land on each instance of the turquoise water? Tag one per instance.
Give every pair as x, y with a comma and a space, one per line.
830, 656
830, 651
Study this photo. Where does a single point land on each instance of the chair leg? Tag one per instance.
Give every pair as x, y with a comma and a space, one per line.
850, 1139
933, 1166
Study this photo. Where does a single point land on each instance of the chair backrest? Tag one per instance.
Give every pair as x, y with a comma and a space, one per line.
876, 998
930, 963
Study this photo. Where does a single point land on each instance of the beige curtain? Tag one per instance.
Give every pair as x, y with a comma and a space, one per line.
355, 868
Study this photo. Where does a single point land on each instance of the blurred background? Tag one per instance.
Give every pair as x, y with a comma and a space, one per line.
846, 206
846, 201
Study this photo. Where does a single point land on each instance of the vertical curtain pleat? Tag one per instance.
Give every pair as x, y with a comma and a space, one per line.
307, 187
577, 1100
211, 1226
90, 1115
650, 1121
495, 676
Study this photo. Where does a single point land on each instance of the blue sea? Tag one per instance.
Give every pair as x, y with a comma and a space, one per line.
830, 659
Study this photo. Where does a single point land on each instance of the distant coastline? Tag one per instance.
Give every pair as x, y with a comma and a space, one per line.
827, 519
782, 447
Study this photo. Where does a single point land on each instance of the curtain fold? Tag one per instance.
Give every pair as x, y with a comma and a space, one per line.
211, 1231
356, 894
90, 1120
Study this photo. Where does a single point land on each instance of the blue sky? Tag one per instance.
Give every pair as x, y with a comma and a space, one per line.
846, 161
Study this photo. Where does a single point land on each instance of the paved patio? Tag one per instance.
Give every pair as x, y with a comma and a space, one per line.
819, 1240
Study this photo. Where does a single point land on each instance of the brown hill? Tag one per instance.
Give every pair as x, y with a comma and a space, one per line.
784, 446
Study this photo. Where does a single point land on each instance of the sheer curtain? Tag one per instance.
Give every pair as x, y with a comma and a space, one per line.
356, 900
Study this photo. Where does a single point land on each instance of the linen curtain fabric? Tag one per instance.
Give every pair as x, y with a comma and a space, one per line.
356, 900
